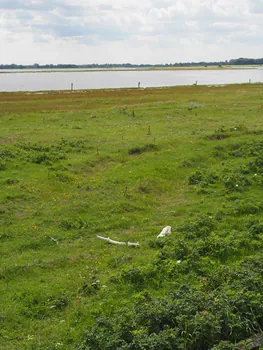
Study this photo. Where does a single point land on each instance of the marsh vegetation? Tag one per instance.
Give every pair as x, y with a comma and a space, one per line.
124, 164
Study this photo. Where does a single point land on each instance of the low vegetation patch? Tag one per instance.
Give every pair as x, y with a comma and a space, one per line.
141, 149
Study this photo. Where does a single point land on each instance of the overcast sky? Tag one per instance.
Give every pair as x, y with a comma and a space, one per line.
135, 31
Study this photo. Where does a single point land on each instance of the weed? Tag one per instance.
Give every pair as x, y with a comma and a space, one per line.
90, 286
203, 178
77, 223
141, 149
2, 165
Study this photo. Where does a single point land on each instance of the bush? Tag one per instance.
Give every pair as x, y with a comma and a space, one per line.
63, 177
7, 154
134, 277
203, 178
2, 165
90, 286
188, 318
236, 181
141, 149
71, 223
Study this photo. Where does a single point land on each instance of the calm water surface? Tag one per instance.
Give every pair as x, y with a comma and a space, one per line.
37, 81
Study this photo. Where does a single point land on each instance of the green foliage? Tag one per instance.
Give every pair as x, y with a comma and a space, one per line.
7, 154
255, 227
90, 286
38, 153
203, 178
76, 223
188, 317
236, 182
219, 134
37, 307
2, 165
141, 149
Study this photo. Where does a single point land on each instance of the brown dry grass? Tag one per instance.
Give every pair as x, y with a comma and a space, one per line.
96, 99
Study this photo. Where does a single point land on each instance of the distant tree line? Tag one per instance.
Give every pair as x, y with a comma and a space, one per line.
244, 61
238, 61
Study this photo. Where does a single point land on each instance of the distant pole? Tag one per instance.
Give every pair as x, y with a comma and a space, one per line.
71, 86
139, 84
249, 81
149, 130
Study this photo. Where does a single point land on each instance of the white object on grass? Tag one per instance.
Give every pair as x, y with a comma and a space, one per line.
165, 231
107, 239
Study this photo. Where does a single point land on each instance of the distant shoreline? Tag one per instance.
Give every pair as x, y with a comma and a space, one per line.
143, 69
81, 92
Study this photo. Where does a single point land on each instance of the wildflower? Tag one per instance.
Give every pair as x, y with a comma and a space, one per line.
236, 185
179, 261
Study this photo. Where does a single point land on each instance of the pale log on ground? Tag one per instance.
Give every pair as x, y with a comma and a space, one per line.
107, 239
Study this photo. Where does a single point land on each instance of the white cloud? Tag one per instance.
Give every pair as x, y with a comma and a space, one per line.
86, 31
256, 6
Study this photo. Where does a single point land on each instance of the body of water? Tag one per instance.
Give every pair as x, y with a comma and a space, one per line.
43, 81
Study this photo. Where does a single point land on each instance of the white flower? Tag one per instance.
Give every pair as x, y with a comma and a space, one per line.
236, 185
179, 261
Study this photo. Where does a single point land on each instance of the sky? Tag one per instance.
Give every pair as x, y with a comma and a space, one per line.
134, 31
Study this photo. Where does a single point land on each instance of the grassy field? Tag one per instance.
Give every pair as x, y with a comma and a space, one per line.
123, 164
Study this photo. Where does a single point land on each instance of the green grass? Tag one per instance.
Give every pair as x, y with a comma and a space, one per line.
124, 164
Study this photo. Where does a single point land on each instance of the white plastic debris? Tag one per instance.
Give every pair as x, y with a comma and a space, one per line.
165, 231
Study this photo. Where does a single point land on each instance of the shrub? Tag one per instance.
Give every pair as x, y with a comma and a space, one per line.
203, 178
63, 177
71, 223
255, 226
2, 165
90, 286
134, 277
201, 226
243, 207
141, 149
7, 154
236, 181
